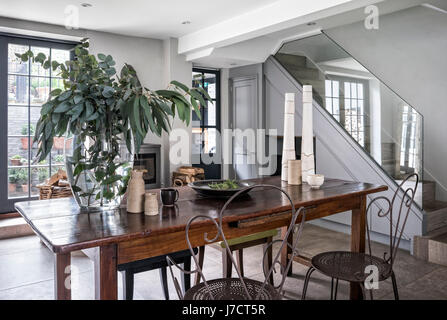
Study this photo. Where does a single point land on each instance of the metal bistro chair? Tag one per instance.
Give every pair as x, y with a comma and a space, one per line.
239, 288
355, 267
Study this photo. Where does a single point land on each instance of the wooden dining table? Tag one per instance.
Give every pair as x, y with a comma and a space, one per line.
116, 237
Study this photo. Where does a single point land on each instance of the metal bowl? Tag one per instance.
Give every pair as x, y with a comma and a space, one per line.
202, 187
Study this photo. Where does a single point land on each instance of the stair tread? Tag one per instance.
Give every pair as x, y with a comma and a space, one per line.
441, 238
434, 205
12, 222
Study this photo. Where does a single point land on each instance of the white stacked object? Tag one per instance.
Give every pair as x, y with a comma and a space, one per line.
307, 142
288, 147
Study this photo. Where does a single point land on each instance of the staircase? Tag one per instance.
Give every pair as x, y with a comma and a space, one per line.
305, 62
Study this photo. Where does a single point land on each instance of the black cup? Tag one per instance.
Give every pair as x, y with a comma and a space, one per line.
169, 196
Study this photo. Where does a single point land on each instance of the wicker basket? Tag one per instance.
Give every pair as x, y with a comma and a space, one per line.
55, 187
54, 192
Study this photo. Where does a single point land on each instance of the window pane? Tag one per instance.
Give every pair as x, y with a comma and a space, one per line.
38, 175
17, 121
60, 56
360, 107
361, 138
328, 89
335, 89
360, 90
18, 149
210, 84
196, 140
348, 106
335, 106
18, 182
34, 116
14, 63
353, 106
196, 79
361, 122
39, 90
209, 138
354, 90
18, 90
347, 90
329, 104
36, 67
57, 84
210, 112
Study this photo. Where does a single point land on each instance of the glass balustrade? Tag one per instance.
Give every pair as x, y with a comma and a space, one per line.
382, 123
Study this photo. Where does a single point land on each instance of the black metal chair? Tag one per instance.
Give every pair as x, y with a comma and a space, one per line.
357, 267
240, 288
128, 270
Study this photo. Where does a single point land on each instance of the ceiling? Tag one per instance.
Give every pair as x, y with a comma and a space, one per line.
144, 18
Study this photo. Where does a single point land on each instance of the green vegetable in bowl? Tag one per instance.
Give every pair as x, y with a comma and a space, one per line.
224, 185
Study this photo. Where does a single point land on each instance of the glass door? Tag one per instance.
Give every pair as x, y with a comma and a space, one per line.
24, 88
206, 131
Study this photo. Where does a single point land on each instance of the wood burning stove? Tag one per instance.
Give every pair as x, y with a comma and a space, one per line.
149, 158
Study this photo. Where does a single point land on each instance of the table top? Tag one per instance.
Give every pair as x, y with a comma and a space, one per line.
63, 227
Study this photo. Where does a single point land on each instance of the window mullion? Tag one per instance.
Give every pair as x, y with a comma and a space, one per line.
29, 125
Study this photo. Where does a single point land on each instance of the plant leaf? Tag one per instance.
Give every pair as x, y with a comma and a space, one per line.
180, 85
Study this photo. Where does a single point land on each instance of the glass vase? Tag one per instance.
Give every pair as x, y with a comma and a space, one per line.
98, 170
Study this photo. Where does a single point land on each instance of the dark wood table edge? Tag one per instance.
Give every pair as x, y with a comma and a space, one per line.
226, 219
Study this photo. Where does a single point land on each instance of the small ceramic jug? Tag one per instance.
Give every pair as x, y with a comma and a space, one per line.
151, 203
135, 192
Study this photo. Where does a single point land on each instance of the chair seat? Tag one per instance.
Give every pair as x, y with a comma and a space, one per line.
250, 237
231, 289
350, 266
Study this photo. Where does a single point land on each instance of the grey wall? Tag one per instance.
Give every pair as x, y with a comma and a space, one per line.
408, 53
156, 62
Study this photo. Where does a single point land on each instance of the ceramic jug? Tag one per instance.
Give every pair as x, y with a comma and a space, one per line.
135, 192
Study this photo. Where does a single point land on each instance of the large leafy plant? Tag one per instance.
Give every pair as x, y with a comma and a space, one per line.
99, 105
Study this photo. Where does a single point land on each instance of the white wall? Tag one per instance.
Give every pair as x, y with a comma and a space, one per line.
175, 68
408, 54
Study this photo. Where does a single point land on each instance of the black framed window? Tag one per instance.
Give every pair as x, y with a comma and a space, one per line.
206, 131
24, 87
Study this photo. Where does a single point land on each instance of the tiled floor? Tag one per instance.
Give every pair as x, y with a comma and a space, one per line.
26, 271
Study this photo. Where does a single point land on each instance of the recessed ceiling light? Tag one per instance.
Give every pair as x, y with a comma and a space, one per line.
86, 5
186, 22
311, 23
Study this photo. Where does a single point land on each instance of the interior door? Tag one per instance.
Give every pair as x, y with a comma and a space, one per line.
244, 108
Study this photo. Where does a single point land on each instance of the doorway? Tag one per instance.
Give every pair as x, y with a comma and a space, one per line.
206, 142
24, 87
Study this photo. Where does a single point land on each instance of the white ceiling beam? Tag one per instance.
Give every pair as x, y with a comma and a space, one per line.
271, 18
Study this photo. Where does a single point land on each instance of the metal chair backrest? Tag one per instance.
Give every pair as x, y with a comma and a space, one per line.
295, 219
398, 219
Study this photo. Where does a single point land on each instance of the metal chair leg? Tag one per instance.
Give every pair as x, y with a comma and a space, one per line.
396, 292
201, 258
306, 282
336, 288
362, 286
128, 283
164, 281
332, 288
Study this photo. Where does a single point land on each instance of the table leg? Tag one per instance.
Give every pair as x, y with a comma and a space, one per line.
358, 233
62, 276
286, 250
106, 274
